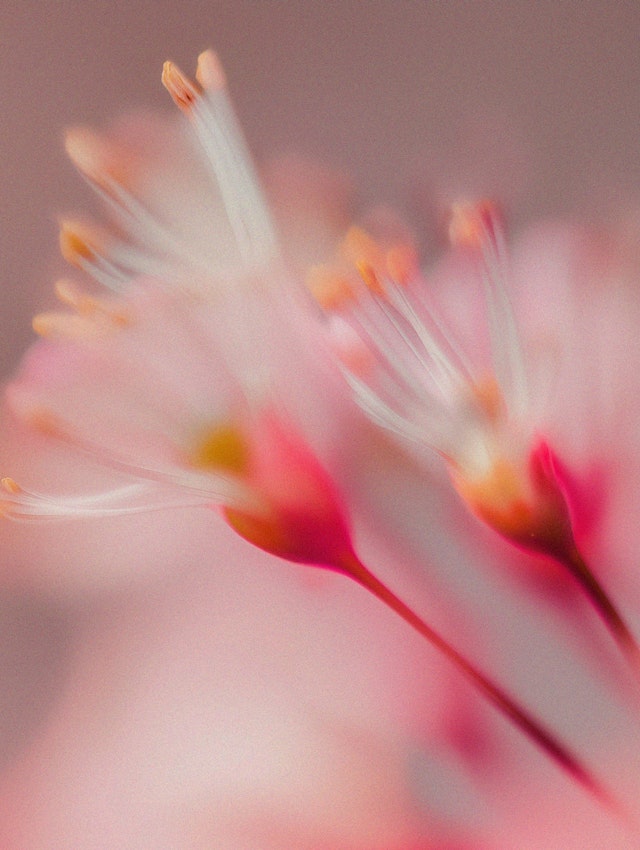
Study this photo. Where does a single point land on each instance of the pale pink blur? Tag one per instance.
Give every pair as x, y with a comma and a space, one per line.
121, 639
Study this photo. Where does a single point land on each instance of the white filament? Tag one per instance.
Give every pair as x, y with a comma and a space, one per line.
225, 148
20, 504
423, 388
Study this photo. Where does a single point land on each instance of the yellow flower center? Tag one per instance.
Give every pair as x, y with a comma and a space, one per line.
223, 448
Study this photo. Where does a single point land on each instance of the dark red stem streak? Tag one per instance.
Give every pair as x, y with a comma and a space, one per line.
573, 561
521, 718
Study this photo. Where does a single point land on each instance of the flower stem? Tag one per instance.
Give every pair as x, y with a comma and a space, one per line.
573, 561
520, 717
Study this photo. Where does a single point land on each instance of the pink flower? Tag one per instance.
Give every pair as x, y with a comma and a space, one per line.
206, 381
190, 403
431, 383
440, 364
197, 399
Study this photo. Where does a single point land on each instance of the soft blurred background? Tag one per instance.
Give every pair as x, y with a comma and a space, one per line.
535, 101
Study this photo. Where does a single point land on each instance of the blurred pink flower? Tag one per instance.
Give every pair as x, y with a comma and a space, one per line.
191, 363
170, 717
440, 363
192, 388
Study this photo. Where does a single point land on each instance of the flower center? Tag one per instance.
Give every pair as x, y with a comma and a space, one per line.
222, 449
412, 372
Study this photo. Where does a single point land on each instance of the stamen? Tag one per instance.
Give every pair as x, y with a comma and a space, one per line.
477, 226
94, 317
223, 143
450, 367
364, 253
382, 413
402, 262
105, 168
407, 380
11, 486
76, 298
22, 504
352, 352
38, 417
55, 325
185, 95
379, 264
86, 305
84, 247
415, 372
208, 486
93, 156
420, 369
209, 72
79, 242
330, 290
424, 382
109, 262
471, 223
408, 352
487, 394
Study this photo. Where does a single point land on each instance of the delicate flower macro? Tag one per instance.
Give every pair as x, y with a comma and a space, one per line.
182, 431
202, 379
419, 374
185, 356
414, 377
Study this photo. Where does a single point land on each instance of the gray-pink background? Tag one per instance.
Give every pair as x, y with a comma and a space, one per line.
537, 101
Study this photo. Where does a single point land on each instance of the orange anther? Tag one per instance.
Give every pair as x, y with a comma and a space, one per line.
329, 288
489, 397
471, 224
401, 262
77, 242
184, 93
